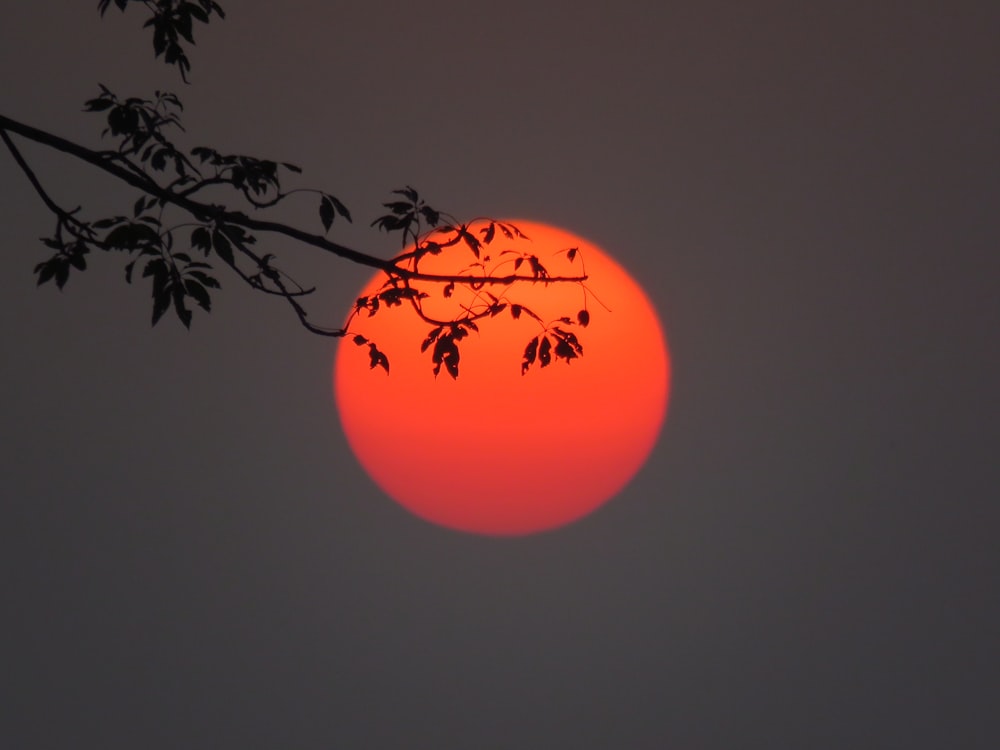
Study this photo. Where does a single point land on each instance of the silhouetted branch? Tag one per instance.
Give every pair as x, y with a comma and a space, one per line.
143, 149
207, 212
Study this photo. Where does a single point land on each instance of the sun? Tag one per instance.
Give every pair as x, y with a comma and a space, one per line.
509, 447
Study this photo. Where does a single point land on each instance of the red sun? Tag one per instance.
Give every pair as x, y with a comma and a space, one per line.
496, 450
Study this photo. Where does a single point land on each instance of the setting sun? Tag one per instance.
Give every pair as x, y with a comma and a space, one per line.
510, 446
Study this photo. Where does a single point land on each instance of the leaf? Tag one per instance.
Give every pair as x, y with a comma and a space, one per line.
470, 240
571, 253
199, 293
431, 337
223, 247
537, 269
204, 154
530, 352
545, 352
360, 340
431, 216
161, 303
78, 260
565, 349
62, 273
583, 318
159, 160
341, 208
45, 271
449, 288
446, 353
399, 208
205, 279
326, 212
98, 105
201, 239
177, 293
377, 358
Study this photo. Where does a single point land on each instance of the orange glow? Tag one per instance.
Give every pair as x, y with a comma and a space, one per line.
494, 451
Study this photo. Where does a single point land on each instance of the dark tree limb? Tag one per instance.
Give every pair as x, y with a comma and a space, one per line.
207, 212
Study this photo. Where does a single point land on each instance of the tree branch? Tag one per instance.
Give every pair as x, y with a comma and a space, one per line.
206, 212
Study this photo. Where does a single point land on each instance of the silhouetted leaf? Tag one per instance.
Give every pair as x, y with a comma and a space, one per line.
205, 154
537, 269
131, 236
360, 340
377, 358
446, 353
326, 213
530, 352
222, 246
565, 350
46, 271
161, 303
470, 240
106, 223
62, 273
204, 278
199, 293
178, 296
571, 253
201, 239
159, 160
77, 259
99, 105
340, 207
431, 216
431, 337
399, 208
545, 351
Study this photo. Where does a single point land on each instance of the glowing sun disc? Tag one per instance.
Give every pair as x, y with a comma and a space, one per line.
496, 451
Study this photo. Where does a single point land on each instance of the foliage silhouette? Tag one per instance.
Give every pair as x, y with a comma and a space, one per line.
174, 235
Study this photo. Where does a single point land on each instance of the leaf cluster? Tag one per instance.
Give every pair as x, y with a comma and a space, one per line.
445, 336
170, 177
411, 216
176, 254
172, 23
139, 125
176, 277
542, 348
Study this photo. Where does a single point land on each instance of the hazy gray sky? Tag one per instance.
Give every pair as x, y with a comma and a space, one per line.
807, 191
